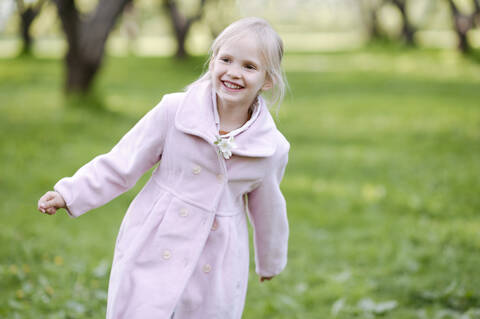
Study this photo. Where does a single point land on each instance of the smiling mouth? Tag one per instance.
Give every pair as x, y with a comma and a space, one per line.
231, 85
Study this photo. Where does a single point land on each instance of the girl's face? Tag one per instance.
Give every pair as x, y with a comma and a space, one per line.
238, 72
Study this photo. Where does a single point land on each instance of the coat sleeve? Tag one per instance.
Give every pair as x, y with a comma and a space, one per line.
268, 215
111, 174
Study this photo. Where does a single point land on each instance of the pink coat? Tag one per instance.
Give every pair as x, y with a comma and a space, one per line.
183, 244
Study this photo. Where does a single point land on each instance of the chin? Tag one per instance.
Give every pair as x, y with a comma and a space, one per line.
228, 98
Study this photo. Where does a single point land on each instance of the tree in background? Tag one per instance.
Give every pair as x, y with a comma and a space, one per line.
86, 36
28, 13
463, 23
130, 25
408, 30
369, 11
182, 24
476, 15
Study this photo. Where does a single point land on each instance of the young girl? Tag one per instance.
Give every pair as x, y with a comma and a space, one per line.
182, 249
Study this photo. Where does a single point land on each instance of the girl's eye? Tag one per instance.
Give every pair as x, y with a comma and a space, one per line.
226, 60
250, 67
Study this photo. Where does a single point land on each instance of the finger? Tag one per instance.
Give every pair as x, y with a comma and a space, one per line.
43, 200
52, 203
51, 210
43, 205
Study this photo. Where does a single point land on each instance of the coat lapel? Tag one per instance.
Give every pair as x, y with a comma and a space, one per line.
195, 116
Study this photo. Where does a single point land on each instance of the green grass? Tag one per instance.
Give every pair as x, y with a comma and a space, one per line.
382, 185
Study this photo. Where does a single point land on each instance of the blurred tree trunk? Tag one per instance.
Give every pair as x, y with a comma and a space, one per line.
86, 37
374, 30
181, 24
369, 11
462, 23
476, 13
27, 16
408, 30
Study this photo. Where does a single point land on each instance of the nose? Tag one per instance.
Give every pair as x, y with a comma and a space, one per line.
233, 71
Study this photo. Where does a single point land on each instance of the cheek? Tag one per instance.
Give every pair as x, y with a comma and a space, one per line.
218, 75
259, 81
216, 83
215, 76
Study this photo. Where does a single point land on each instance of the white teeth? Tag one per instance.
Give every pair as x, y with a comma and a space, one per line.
231, 85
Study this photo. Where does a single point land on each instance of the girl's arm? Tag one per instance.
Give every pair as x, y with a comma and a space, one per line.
113, 173
268, 215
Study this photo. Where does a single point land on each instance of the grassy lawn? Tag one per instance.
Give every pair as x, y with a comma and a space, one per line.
382, 185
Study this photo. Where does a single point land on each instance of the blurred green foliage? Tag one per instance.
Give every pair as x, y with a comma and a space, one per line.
382, 185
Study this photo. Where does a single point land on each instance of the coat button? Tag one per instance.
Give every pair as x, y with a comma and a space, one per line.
196, 170
184, 212
215, 225
167, 254
207, 268
220, 177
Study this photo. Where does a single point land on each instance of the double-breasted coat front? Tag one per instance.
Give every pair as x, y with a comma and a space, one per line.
183, 245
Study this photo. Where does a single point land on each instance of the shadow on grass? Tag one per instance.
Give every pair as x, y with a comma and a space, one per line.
474, 56
93, 102
451, 298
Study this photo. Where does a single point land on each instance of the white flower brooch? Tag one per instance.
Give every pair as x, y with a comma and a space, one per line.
225, 146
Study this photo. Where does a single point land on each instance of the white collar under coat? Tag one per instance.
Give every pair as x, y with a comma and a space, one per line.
195, 116
216, 116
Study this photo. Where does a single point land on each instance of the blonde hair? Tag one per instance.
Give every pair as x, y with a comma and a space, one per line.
271, 48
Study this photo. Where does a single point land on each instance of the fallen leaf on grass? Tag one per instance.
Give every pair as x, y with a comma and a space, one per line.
338, 306
369, 305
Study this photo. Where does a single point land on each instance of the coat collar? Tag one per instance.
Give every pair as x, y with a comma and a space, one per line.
195, 116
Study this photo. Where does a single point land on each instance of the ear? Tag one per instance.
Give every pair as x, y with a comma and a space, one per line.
267, 85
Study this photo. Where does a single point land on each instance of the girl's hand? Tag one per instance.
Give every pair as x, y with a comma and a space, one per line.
262, 279
50, 202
